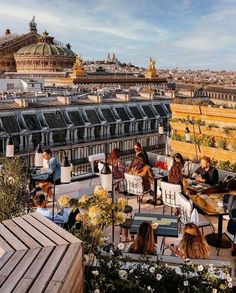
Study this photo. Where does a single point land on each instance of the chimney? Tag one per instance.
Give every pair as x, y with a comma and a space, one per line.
123, 97
147, 96
64, 100
23, 103
95, 98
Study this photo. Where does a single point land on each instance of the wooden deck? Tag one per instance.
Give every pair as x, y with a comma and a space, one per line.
37, 255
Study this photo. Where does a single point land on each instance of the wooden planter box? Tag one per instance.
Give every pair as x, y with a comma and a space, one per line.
188, 150
183, 108
219, 112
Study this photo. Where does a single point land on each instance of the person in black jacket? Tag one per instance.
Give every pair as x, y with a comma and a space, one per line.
206, 173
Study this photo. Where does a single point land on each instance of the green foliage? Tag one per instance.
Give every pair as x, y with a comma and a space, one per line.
114, 275
13, 188
233, 145
177, 137
200, 122
222, 143
214, 162
212, 125
208, 141
227, 166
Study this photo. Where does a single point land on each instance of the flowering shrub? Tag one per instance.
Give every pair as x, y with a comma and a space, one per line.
115, 275
96, 213
64, 201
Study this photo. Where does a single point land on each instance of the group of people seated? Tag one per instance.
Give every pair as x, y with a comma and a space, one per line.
192, 244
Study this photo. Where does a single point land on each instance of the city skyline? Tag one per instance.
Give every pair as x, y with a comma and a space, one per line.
183, 34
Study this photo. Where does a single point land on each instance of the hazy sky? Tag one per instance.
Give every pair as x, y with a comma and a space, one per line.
183, 33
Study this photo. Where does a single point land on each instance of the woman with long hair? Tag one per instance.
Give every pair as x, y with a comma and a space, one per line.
116, 163
176, 176
140, 168
179, 159
144, 242
192, 245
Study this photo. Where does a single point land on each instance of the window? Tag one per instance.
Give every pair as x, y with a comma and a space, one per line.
10, 86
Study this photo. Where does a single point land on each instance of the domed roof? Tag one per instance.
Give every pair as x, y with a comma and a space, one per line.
45, 47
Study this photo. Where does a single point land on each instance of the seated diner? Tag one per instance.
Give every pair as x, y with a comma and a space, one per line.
192, 245
206, 173
144, 241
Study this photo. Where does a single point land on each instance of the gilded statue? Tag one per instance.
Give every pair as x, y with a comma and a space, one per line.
78, 68
151, 70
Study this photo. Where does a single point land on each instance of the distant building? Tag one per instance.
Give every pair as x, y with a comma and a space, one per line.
32, 52
20, 85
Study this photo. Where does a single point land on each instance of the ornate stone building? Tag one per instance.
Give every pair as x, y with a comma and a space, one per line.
44, 56
11, 43
33, 53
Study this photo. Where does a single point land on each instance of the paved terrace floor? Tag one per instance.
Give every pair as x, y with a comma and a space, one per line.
79, 188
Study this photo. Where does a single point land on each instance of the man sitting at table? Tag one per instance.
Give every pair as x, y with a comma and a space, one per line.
206, 173
54, 171
41, 205
66, 217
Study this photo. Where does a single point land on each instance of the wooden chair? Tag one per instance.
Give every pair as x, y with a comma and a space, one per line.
170, 194
134, 185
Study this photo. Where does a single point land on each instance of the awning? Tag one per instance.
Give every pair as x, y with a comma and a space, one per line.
55, 120
32, 122
160, 110
122, 114
10, 124
136, 112
108, 115
76, 118
93, 116
148, 111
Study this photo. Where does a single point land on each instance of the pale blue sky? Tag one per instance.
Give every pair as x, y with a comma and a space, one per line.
183, 33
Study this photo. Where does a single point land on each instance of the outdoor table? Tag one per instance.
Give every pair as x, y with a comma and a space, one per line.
198, 187
159, 175
167, 224
212, 205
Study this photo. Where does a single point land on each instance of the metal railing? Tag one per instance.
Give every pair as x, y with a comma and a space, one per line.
78, 154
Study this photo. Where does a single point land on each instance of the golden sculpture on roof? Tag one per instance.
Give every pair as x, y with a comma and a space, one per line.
78, 68
151, 70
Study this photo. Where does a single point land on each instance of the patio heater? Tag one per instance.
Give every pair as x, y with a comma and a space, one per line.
161, 128
10, 148
107, 183
38, 157
66, 169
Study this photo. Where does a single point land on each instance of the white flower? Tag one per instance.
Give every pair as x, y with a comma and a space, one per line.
122, 274
95, 273
185, 283
178, 271
149, 288
158, 277
188, 261
131, 271
111, 252
97, 291
229, 279
214, 290
152, 270
121, 246
210, 265
230, 285
200, 268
